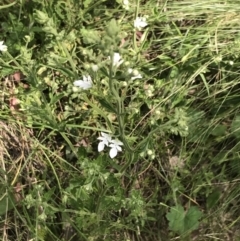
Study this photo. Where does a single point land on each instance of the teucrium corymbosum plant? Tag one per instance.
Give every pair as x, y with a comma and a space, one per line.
110, 75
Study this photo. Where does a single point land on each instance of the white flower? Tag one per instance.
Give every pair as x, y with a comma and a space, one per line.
135, 74
85, 84
3, 47
140, 22
115, 148
126, 4
117, 59
105, 139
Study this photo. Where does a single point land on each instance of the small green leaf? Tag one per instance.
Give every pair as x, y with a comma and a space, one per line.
6, 203
41, 17
90, 36
219, 130
235, 127
213, 199
112, 29
8, 5
107, 105
86, 3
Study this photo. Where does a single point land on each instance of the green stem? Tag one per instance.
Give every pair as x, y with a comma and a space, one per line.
135, 32
120, 108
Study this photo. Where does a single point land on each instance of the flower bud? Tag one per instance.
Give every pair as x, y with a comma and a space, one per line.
135, 110
41, 17
149, 152
127, 63
135, 72
152, 157
152, 122
87, 66
94, 67
84, 52
149, 93
67, 108
75, 89
124, 83
27, 38
158, 112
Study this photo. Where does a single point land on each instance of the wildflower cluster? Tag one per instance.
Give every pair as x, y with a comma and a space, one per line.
106, 140
86, 82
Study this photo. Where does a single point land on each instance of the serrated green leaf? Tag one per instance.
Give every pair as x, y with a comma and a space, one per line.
176, 218
191, 220
183, 222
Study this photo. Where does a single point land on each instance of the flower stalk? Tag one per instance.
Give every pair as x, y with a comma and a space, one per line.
120, 106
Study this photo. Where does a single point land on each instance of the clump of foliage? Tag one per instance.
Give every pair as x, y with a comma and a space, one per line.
119, 120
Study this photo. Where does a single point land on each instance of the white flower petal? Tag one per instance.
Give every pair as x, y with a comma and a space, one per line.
101, 138
139, 76
101, 146
116, 142
113, 152
119, 148
75, 82
106, 136
87, 78
78, 83
104, 141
